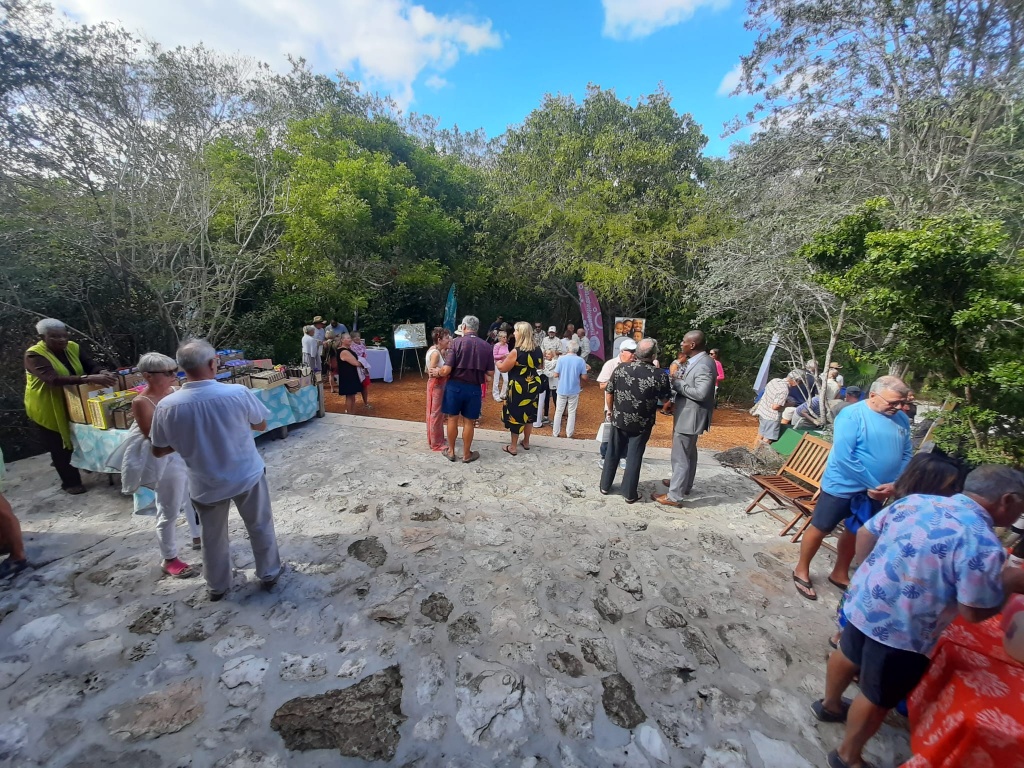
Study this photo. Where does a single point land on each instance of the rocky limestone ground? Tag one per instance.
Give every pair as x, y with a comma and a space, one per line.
501, 613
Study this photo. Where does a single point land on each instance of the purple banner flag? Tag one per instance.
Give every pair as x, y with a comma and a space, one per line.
592, 322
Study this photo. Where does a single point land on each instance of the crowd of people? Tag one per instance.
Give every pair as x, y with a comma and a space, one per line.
921, 528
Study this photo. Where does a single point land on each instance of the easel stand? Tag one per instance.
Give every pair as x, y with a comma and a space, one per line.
401, 366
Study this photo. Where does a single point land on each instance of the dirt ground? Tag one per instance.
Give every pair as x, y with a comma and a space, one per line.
405, 399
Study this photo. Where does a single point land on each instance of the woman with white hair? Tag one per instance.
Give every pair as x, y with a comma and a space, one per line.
165, 475
50, 365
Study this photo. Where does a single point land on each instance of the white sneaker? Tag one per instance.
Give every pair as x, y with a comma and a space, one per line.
600, 463
622, 463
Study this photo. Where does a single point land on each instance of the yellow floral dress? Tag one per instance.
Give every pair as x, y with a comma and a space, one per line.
520, 406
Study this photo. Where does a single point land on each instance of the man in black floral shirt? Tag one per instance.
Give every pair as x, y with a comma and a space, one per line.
631, 404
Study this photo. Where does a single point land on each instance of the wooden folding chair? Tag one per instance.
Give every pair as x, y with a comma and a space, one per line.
795, 489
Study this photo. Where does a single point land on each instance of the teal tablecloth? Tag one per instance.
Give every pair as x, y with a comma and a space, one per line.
93, 446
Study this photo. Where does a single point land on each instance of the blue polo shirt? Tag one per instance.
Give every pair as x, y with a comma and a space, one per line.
570, 368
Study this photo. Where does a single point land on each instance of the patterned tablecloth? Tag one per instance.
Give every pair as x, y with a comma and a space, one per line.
93, 446
967, 712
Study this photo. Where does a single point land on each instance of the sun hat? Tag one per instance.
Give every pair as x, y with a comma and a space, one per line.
317, 319
629, 345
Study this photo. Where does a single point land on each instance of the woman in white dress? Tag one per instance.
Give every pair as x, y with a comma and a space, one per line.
167, 475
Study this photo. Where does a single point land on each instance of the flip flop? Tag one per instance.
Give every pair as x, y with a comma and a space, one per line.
835, 761
177, 569
825, 716
837, 585
473, 456
806, 585
506, 450
11, 567
524, 446
447, 453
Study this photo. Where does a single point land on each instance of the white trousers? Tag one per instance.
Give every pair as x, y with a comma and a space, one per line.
540, 410
172, 498
254, 508
500, 386
563, 403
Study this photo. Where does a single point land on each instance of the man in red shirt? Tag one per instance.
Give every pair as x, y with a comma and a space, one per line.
470, 364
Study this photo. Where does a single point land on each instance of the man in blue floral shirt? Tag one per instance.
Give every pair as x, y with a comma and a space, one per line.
924, 560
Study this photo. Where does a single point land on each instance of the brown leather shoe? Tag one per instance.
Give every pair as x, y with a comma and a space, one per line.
668, 484
662, 498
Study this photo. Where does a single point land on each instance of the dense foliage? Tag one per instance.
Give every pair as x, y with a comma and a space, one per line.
147, 195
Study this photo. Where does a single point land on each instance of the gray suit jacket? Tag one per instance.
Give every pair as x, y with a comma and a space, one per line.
695, 396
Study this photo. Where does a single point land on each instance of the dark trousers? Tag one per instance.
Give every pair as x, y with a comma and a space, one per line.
52, 442
604, 448
631, 448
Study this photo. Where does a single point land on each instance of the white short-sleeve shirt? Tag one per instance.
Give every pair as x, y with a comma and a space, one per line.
209, 425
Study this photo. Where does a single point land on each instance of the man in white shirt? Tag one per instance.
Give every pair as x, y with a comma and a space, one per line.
552, 343
626, 351
210, 426
310, 348
583, 342
571, 369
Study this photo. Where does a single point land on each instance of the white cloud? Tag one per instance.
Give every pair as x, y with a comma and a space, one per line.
387, 44
632, 19
435, 82
731, 80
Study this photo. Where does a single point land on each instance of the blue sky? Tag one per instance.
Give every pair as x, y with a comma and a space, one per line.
476, 64
567, 50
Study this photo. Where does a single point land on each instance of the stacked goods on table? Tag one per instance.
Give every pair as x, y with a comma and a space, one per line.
111, 407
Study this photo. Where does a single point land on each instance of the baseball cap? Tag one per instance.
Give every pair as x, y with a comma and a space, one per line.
856, 391
629, 345
552, 329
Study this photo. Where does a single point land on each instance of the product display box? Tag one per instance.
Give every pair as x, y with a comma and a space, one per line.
127, 378
121, 416
76, 397
268, 379
101, 405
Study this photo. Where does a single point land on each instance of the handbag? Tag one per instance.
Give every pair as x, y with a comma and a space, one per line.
604, 432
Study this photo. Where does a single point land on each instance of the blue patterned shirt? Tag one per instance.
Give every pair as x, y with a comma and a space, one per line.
932, 553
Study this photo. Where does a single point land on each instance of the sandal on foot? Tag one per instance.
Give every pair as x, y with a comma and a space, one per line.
473, 456
177, 569
11, 567
810, 594
524, 446
449, 454
838, 585
505, 448
835, 761
197, 544
826, 716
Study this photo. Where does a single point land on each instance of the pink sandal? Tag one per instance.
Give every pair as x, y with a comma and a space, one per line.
177, 569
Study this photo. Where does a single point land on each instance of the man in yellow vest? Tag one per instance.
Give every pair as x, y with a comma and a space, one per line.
50, 365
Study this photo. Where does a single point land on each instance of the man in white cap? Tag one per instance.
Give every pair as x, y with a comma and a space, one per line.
625, 355
552, 343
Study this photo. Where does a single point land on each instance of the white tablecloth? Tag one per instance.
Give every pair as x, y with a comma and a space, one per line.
380, 364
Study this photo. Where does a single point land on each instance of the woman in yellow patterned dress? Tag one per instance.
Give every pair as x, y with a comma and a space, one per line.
523, 366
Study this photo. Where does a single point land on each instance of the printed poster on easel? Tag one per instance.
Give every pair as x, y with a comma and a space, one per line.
627, 328
411, 336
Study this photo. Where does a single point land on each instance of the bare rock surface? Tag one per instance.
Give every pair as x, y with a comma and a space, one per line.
517, 619
360, 721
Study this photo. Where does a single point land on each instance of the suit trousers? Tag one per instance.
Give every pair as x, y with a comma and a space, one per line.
684, 465
254, 508
631, 448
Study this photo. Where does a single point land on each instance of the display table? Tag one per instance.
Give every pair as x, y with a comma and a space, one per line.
380, 364
92, 446
967, 710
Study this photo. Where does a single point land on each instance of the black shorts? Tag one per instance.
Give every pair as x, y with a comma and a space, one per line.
830, 511
887, 675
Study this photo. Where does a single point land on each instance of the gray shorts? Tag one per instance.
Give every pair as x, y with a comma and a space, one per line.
769, 429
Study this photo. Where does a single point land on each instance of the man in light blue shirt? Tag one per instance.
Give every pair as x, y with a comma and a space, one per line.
571, 369
870, 447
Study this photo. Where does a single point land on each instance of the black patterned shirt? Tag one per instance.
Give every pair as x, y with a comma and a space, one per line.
636, 388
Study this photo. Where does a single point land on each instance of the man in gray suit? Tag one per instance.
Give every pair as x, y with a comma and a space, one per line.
694, 387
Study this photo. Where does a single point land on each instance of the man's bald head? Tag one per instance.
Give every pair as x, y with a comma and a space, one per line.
695, 340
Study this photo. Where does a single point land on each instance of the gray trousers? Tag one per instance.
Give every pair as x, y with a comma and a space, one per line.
684, 465
254, 508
